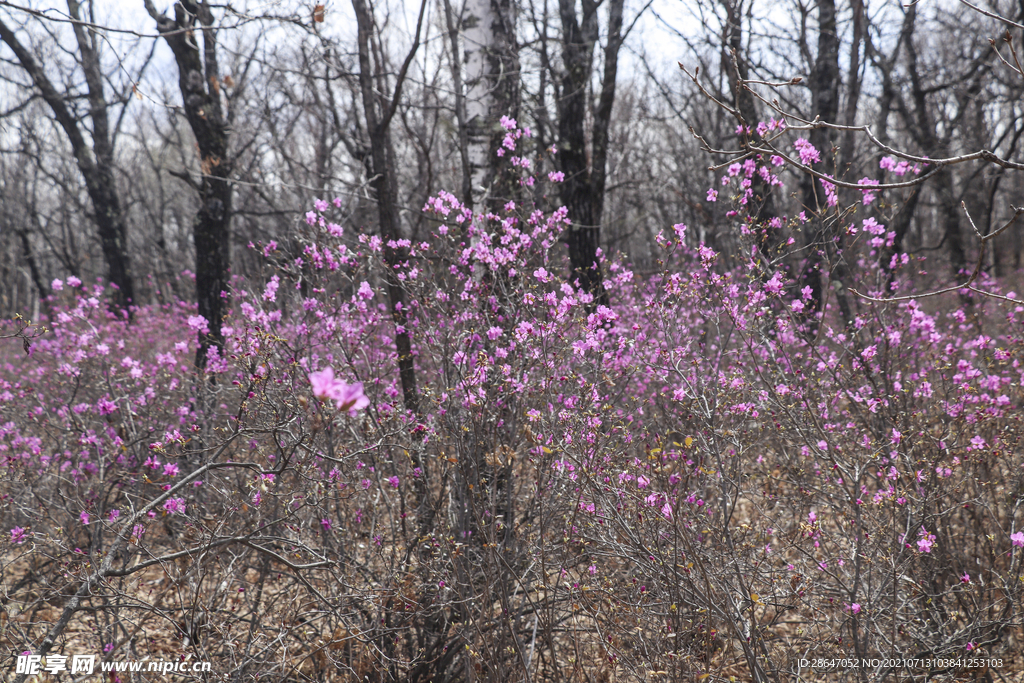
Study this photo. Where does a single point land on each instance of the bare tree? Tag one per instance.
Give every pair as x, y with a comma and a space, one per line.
584, 161
92, 147
379, 109
200, 83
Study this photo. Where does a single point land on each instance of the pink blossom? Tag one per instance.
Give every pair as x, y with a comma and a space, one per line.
323, 383
174, 505
199, 324
18, 535
270, 292
925, 541
808, 152
350, 397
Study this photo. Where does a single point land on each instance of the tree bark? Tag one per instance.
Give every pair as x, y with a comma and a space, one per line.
491, 62
824, 86
97, 162
199, 82
734, 64
378, 113
584, 184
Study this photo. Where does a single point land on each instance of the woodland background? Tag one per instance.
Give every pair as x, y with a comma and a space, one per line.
508, 340
286, 122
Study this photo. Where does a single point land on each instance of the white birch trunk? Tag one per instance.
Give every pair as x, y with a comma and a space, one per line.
478, 20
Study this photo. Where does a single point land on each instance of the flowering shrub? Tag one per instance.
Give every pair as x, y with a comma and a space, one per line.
693, 480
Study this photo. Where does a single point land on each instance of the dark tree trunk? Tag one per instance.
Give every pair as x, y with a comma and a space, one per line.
734, 64
378, 113
824, 85
96, 162
584, 184
504, 76
199, 82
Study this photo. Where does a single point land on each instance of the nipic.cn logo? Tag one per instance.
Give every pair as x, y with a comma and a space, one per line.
32, 665
53, 664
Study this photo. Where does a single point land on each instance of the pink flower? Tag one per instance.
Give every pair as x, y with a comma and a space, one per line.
1018, 539
270, 293
57, 285
925, 541
854, 608
171, 470
966, 578
18, 535
808, 153
323, 383
350, 397
326, 524
84, 518
174, 505
774, 285
867, 196
394, 481
712, 195
199, 323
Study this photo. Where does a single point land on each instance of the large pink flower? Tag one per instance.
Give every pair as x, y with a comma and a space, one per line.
323, 383
348, 397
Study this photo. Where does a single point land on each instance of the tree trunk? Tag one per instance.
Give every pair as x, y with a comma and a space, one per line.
199, 82
584, 183
734, 64
824, 85
378, 113
96, 162
492, 90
